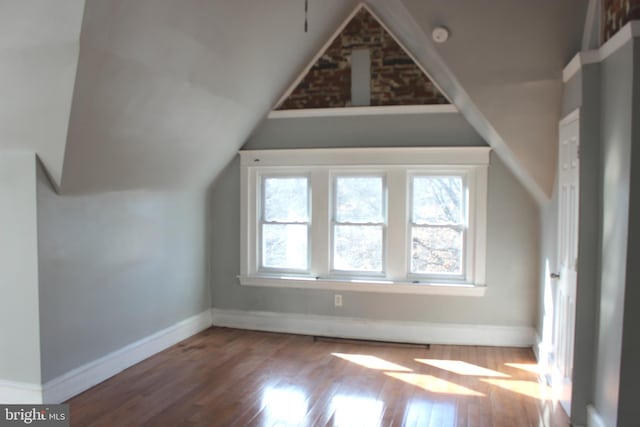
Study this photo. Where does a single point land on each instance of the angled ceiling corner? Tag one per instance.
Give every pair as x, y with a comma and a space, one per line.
39, 55
500, 70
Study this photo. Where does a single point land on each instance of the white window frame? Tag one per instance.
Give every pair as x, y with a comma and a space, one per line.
269, 270
339, 173
397, 165
467, 228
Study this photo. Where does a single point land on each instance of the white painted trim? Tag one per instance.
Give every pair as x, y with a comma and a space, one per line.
379, 330
363, 111
84, 377
578, 61
593, 417
537, 348
619, 39
624, 35
324, 47
399, 156
468, 162
571, 117
13, 392
377, 286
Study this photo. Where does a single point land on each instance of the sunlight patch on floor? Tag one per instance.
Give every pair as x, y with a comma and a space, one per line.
372, 362
284, 406
528, 388
433, 384
462, 368
529, 367
356, 411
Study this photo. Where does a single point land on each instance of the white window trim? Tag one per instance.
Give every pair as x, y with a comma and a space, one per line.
260, 268
399, 163
469, 254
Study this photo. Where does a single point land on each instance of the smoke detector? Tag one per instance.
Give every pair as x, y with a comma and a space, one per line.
440, 34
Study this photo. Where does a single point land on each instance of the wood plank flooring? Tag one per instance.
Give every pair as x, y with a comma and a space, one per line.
226, 377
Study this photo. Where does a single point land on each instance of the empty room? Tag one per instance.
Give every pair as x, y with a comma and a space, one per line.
319, 213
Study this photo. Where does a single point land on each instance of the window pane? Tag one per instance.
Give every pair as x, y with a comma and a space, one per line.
359, 199
436, 250
357, 248
437, 200
284, 246
286, 199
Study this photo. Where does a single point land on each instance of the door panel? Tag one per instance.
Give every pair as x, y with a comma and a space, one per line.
569, 191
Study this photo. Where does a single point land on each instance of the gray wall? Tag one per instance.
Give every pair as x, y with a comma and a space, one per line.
628, 408
365, 131
616, 96
588, 287
114, 268
583, 91
512, 256
19, 334
606, 373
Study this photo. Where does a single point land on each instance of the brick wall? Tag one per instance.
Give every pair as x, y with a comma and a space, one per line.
395, 78
617, 13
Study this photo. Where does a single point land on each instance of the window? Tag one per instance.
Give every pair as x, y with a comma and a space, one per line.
438, 223
409, 220
284, 223
358, 224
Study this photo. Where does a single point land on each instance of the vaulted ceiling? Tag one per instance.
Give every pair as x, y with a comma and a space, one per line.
163, 92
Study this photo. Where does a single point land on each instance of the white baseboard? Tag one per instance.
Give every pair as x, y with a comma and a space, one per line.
593, 417
13, 392
80, 379
536, 347
383, 330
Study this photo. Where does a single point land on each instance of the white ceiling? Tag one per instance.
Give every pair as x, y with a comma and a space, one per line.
168, 90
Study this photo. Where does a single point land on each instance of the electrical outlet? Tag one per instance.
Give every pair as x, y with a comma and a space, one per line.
337, 300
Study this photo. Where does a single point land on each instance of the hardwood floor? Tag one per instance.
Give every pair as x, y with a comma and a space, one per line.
227, 377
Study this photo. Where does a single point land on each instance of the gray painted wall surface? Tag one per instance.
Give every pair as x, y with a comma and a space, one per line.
581, 91
572, 94
588, 286
365, 131
512, 257
19, 334
628, 408
616, 98
606, 345
115, 268
548, 264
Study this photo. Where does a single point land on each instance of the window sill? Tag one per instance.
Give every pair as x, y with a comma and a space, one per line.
365, 285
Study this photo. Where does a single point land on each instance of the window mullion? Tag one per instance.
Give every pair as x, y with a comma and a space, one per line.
320, 222
396, 232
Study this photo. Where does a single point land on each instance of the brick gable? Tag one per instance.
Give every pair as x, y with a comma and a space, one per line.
395, 78
617, 13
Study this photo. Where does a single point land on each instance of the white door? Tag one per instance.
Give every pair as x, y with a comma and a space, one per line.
569, 175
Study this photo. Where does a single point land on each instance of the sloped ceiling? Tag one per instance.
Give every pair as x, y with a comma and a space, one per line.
502, 68
39, 44
166, 91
